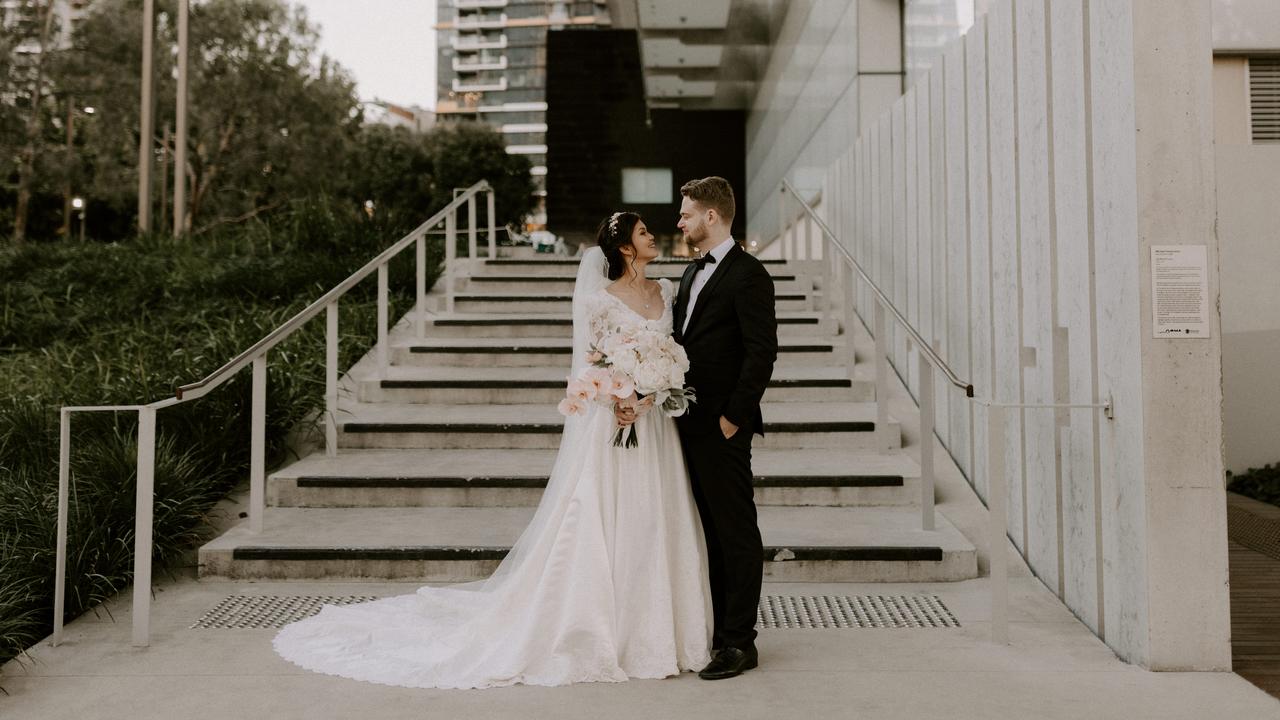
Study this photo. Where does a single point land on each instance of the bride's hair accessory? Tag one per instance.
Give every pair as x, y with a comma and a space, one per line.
614, 233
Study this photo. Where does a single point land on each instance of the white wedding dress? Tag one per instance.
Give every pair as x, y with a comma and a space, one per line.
608, 582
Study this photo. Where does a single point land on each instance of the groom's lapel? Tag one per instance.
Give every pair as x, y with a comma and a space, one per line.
682, 299
708, 290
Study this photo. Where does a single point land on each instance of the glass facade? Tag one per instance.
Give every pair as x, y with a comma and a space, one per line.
492, 67
833, 68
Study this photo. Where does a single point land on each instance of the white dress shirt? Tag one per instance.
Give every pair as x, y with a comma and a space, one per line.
701, 277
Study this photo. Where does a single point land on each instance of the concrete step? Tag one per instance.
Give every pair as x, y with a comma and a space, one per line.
516, 478
535, 352
450, 544
788, 425
546, 384
476, 325
567, 267
514, 283
548, 303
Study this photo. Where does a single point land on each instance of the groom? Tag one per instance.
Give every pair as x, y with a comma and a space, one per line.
724, 318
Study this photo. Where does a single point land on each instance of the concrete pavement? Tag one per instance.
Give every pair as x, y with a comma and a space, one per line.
1053, 668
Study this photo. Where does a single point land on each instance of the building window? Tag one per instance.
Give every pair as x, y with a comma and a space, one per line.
1264, 98
648, 186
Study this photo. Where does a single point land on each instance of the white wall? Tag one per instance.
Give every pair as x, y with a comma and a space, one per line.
1007, 204
1246, 25
1249, 230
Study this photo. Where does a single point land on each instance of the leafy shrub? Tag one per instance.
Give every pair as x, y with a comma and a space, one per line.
125, 323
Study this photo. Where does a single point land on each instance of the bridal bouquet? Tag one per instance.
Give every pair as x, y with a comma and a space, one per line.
627, 365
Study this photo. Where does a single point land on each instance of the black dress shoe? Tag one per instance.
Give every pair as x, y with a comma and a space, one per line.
729, 662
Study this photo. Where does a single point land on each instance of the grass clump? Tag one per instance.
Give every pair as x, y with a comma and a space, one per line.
126, 323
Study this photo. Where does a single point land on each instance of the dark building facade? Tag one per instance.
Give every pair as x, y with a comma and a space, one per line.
598, 133
491, 68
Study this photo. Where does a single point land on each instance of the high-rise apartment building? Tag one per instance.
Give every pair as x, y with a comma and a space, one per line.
492, 68
22, 17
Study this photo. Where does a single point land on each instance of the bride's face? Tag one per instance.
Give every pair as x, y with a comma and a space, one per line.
643, 245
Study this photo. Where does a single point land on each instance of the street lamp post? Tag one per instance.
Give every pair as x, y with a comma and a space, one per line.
180, 143
70, 153
78, 204
145, 140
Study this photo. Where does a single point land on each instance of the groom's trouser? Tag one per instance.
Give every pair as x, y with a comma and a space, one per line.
720, 473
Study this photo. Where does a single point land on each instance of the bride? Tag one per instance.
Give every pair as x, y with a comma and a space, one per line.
609, 580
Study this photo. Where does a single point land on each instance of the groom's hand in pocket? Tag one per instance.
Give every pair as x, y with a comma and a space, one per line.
727, 428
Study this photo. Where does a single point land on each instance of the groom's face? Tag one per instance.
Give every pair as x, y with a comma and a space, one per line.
693, 221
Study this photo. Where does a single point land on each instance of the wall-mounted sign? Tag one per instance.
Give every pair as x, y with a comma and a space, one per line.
1180, 291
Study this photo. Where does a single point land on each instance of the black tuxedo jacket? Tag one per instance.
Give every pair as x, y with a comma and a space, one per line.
731, 341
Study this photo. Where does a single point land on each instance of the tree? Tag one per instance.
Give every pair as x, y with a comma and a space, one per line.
270, 117
464, 153
35, 28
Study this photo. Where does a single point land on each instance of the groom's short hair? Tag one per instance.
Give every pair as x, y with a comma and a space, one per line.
712, 192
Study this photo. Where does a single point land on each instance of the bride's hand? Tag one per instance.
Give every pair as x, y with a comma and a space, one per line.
625, 411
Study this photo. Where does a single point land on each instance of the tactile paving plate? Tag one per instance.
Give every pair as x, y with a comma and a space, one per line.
270, 611
775, 611
854, 611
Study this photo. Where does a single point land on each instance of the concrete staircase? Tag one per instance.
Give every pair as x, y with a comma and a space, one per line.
443, 455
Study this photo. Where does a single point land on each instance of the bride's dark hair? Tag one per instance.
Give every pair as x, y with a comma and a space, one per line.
613, 234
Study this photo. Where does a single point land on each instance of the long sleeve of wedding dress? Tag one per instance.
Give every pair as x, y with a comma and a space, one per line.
608, 581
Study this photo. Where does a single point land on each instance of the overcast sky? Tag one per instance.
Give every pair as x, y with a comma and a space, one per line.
388, 45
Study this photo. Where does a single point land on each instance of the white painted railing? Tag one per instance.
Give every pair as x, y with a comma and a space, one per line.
256, 356
838, 268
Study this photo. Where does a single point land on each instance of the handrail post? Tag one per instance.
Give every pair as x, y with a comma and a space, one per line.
927, 402
472, 250
808, 240
64, 483
491, 213
382, 319
450, 255
142, 548
420, 297
782, 222
331, 380
828, 282
997, 528
882, 379
258, 445
847, 277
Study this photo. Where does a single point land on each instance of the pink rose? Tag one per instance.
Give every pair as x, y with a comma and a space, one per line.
621, 385
570, 406
582, 390
598, 377
594, 357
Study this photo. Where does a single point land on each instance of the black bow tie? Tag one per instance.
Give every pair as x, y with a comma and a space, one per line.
704, 261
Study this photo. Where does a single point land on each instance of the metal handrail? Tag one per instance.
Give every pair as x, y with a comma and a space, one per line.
257, 356
997, 490
937, 361
197, 389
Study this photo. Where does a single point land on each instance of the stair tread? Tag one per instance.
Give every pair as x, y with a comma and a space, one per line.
498, 527
537, 463
546, 414
565, 342
558, 373
782, 315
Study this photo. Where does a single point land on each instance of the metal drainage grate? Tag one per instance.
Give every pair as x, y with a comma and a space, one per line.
857, 611
775, 611
270, 611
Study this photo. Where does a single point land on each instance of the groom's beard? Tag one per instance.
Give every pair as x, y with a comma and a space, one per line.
694, 237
